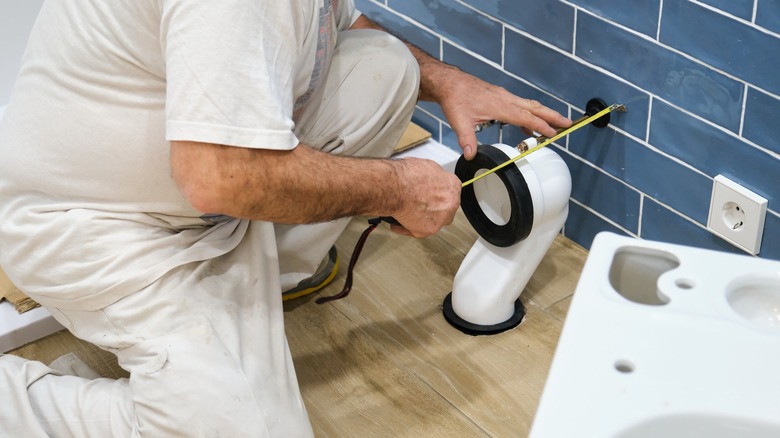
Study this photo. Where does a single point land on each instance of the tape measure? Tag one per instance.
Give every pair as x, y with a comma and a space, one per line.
563, 133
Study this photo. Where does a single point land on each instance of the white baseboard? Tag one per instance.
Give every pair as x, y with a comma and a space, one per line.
17, 330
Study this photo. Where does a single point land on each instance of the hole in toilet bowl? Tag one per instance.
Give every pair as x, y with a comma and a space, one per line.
624, 366
756, 298
634, 274
685, 283
493, 198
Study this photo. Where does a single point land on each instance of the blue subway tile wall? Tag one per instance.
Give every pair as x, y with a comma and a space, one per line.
698, 78
659, 70
715, 151
571, 80
652, 173
737, 48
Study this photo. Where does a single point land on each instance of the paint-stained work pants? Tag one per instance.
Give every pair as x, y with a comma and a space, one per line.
205, 344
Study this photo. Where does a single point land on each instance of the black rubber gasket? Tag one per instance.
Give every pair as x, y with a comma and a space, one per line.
521, 218
476, 329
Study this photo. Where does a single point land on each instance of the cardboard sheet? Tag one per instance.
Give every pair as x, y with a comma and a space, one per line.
413, 136
21, 302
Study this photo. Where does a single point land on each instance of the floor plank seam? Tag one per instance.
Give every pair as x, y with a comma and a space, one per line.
449, 402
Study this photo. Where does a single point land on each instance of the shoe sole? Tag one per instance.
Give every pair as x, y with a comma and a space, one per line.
308, 291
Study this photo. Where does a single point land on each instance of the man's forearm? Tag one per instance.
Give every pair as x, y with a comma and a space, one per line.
304, 185
296, 186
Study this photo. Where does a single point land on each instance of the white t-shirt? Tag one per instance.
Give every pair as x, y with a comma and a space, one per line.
89, 212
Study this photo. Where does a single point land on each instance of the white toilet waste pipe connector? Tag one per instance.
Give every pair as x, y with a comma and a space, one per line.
517, 213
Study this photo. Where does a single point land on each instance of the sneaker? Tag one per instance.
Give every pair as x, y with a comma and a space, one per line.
324, 274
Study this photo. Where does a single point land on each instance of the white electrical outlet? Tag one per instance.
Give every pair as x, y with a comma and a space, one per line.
737, 214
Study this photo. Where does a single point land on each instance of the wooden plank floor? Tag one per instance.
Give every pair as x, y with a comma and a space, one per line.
384, 362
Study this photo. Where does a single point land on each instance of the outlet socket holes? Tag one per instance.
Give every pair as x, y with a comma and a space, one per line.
733, 216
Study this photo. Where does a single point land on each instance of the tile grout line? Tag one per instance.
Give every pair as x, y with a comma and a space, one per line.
574, 34
503, 47
649, 116
641, 211
755, 11
743, 111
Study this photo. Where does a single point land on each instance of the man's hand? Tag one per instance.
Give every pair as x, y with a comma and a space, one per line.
468, 101
431, 197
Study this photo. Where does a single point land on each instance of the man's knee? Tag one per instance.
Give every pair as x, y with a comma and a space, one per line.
367, 99
398, 71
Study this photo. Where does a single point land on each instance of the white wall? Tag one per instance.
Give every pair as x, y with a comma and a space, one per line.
16, 20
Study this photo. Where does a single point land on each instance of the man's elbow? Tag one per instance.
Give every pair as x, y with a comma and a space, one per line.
206, 198
195, 172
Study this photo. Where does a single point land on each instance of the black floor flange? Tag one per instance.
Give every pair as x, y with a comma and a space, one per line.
476, 329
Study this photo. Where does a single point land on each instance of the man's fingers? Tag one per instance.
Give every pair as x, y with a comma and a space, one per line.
468, 142
542, 120
531, 114
467, 138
